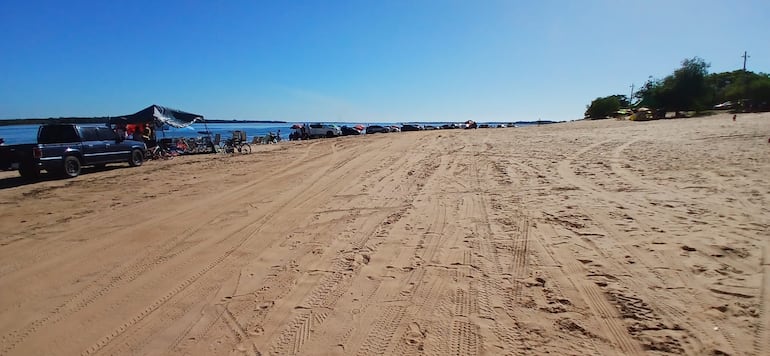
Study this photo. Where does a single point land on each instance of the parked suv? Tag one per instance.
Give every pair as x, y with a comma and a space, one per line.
65, 148
323, 130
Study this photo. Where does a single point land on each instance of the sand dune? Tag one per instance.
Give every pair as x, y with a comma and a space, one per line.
607, 237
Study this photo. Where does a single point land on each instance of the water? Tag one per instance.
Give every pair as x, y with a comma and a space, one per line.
226, 130
16, 134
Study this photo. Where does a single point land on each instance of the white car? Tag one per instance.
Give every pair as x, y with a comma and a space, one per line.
727, 105
323, 130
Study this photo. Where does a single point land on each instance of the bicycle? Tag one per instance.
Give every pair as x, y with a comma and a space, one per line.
157, 152
200, 145
232, 145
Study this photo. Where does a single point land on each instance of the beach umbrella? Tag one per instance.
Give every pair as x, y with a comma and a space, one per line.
296, 126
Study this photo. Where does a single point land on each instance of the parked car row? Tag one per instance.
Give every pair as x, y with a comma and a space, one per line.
317, 130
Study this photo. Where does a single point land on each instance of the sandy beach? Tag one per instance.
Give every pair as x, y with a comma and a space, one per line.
581, 238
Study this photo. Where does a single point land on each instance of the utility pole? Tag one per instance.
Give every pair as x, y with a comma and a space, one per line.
745, 81
631, 98
745, 56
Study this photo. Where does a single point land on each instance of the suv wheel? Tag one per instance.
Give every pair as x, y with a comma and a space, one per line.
137, 158
71, 167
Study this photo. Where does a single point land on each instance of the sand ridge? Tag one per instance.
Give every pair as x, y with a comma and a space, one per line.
604, 237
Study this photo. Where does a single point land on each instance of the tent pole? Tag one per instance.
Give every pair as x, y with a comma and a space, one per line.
206, 127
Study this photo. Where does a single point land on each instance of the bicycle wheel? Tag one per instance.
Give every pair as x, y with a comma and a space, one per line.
244, 148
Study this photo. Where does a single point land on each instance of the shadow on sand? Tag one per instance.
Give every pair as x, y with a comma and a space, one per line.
18, 181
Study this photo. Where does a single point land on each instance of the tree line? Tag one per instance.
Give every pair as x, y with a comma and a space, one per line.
691, 88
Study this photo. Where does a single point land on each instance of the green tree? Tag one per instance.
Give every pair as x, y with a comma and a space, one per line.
685, 89
725, 86
689, 89
624, 100
744, 85
651, 94
604, 107
759, 88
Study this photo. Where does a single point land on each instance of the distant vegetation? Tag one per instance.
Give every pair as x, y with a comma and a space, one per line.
692, 88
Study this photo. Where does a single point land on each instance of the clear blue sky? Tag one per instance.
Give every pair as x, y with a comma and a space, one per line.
359, 61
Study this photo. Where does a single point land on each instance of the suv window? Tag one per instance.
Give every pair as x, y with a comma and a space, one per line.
57, 134
105, 134
316, 126
89, 134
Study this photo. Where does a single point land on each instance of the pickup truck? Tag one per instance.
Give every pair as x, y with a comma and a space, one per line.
64, 148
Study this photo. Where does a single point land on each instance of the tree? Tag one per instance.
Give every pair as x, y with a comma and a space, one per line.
651, 94
623, 100
604, 107
759, 88
691, 87
689, 90
725, 86
685, 89
740, 86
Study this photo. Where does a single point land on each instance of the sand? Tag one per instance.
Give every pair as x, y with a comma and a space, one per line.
605, 237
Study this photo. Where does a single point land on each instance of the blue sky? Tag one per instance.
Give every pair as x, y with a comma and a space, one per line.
359, 61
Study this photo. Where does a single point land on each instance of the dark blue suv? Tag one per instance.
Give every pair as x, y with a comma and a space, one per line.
65, 148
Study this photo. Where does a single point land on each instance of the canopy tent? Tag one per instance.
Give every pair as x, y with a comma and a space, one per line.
160, 115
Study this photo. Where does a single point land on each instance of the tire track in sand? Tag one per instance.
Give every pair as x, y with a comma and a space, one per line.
415, 294
122, 276
666, 310
145, 215
334, 284
247, 232
605, 313
762, 340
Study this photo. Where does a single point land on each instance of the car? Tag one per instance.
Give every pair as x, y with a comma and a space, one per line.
376, 129
323, 130
727, 105
349, 131
410, 127
394, 129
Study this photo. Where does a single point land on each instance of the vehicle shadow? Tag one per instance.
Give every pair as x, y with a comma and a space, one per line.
18, 181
